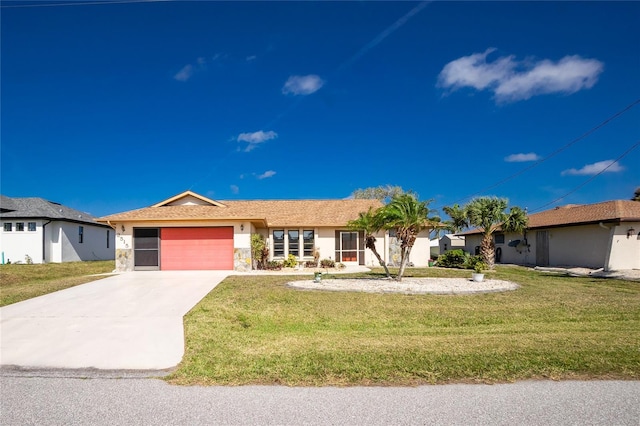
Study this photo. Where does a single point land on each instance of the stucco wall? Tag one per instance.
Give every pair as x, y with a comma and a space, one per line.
93, 246
585, 246
625, 250
581, 246
16, 245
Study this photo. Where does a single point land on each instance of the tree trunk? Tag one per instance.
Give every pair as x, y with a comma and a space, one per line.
404, 259
487, 249
371, 245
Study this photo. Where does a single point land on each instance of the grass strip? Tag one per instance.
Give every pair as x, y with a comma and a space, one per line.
20, 282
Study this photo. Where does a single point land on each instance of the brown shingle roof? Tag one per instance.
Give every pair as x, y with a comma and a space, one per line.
608, 211
274, 212
576, 214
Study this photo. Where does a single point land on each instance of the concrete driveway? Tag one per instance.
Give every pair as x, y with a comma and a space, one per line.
128, 321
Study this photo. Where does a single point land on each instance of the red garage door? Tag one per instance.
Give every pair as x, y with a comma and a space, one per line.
196, 248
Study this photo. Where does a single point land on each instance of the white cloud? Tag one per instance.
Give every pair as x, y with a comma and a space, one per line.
234, 189
267, 174
185, 73
522, 158
200, 65
512, 80
251, 58
611, 166
302, 84
256, 138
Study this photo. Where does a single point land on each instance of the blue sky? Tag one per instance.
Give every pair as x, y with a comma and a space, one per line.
112, 107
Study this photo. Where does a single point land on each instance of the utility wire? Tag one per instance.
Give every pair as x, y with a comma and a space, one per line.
591, 178
554, 153
78, 3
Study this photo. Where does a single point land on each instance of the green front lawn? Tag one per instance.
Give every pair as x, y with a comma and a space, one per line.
255, 330
20, 281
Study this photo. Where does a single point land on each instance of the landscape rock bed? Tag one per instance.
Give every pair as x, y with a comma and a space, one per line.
408, 285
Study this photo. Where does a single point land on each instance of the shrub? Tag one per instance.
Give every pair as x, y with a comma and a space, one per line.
273, 265
453, 259
327, 263
479, 267
311, 264
290, 261
259, 251
472, 261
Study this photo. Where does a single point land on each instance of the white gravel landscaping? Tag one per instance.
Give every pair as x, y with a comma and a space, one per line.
407, 285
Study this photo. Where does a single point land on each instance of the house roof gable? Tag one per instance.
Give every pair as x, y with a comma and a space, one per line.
188, 198
270, 213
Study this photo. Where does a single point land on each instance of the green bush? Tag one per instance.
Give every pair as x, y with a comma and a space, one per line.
273, 265
473, 261
453, 259
290, 262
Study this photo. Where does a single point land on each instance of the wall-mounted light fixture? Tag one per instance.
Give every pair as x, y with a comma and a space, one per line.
242, 226
122, 227
630, 232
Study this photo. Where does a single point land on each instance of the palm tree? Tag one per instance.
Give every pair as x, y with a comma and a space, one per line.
407, 216
370, 223
488, 214
458, 217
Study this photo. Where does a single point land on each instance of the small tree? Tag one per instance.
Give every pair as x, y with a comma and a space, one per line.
370, 223
636, 195
407, 216
259, 251
488, 214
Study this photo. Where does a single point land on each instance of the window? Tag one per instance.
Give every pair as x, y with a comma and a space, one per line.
499, 238
308, 242
8, 227
278, 243
294, 242
20, 226
80, 234
31, 226
107, 238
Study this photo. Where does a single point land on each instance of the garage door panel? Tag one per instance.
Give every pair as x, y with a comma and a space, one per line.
196, 248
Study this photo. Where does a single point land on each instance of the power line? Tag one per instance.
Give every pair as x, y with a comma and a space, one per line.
78, 3
634, 146
554, 153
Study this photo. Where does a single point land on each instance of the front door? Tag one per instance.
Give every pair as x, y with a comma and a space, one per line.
349, 242
542, 248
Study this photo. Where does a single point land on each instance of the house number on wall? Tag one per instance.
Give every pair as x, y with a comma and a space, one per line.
122, 240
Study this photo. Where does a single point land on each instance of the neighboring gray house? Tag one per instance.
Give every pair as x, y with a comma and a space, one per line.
39, 231
451, 242
601, 235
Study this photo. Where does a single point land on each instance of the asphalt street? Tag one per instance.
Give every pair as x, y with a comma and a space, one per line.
146, 401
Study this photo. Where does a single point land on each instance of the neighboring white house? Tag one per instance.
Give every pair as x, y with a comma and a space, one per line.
602, 235
189, 231
36, 230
